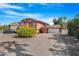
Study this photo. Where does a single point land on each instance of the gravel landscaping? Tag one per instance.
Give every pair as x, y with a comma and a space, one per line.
72, 43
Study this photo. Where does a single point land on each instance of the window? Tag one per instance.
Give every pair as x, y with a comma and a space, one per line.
33, 24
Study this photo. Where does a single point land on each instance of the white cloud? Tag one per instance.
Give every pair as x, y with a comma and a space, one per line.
9, 16
36, 16
48, 20
2, 5
60, 5
44, 4
30, 4
50, 5
11, 12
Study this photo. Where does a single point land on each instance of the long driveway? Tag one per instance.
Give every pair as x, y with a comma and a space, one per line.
45, 44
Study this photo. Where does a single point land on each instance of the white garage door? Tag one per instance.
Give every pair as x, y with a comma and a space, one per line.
53, 30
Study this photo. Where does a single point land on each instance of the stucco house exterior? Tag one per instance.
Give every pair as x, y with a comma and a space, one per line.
14, 26
29, 23
33, 23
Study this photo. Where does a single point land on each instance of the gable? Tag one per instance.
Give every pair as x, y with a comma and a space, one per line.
29, 20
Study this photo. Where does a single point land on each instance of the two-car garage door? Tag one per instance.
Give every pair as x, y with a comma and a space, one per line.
63, 31
53, 30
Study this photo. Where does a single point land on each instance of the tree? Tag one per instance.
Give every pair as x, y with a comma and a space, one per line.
65, 23
76, 16
73, 26
64, 18
24, 19
60, 21
55, 21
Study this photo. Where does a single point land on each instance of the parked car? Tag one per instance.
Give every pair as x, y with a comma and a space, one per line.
8, 31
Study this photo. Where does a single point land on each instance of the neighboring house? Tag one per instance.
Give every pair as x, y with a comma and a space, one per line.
14, 26
29, 23
33, 23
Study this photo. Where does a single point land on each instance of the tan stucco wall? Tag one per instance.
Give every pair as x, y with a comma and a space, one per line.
26, 24
13, 27
39, 26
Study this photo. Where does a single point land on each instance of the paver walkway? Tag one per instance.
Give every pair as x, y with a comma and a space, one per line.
45, 44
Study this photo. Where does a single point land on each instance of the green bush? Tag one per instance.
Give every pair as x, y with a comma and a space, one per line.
26, 31
73, 27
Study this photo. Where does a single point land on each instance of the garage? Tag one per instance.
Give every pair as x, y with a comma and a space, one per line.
53, 29
56, 29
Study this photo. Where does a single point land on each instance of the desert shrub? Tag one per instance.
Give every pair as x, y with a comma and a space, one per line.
26, 31
73, 27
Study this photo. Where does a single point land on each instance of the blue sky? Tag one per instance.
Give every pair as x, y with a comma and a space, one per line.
15, 12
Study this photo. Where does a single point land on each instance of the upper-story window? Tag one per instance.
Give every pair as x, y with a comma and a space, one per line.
33, 24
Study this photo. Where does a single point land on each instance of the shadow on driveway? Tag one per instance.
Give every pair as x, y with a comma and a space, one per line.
9, 47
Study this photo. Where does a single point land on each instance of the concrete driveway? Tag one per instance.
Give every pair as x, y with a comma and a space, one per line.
44, 44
